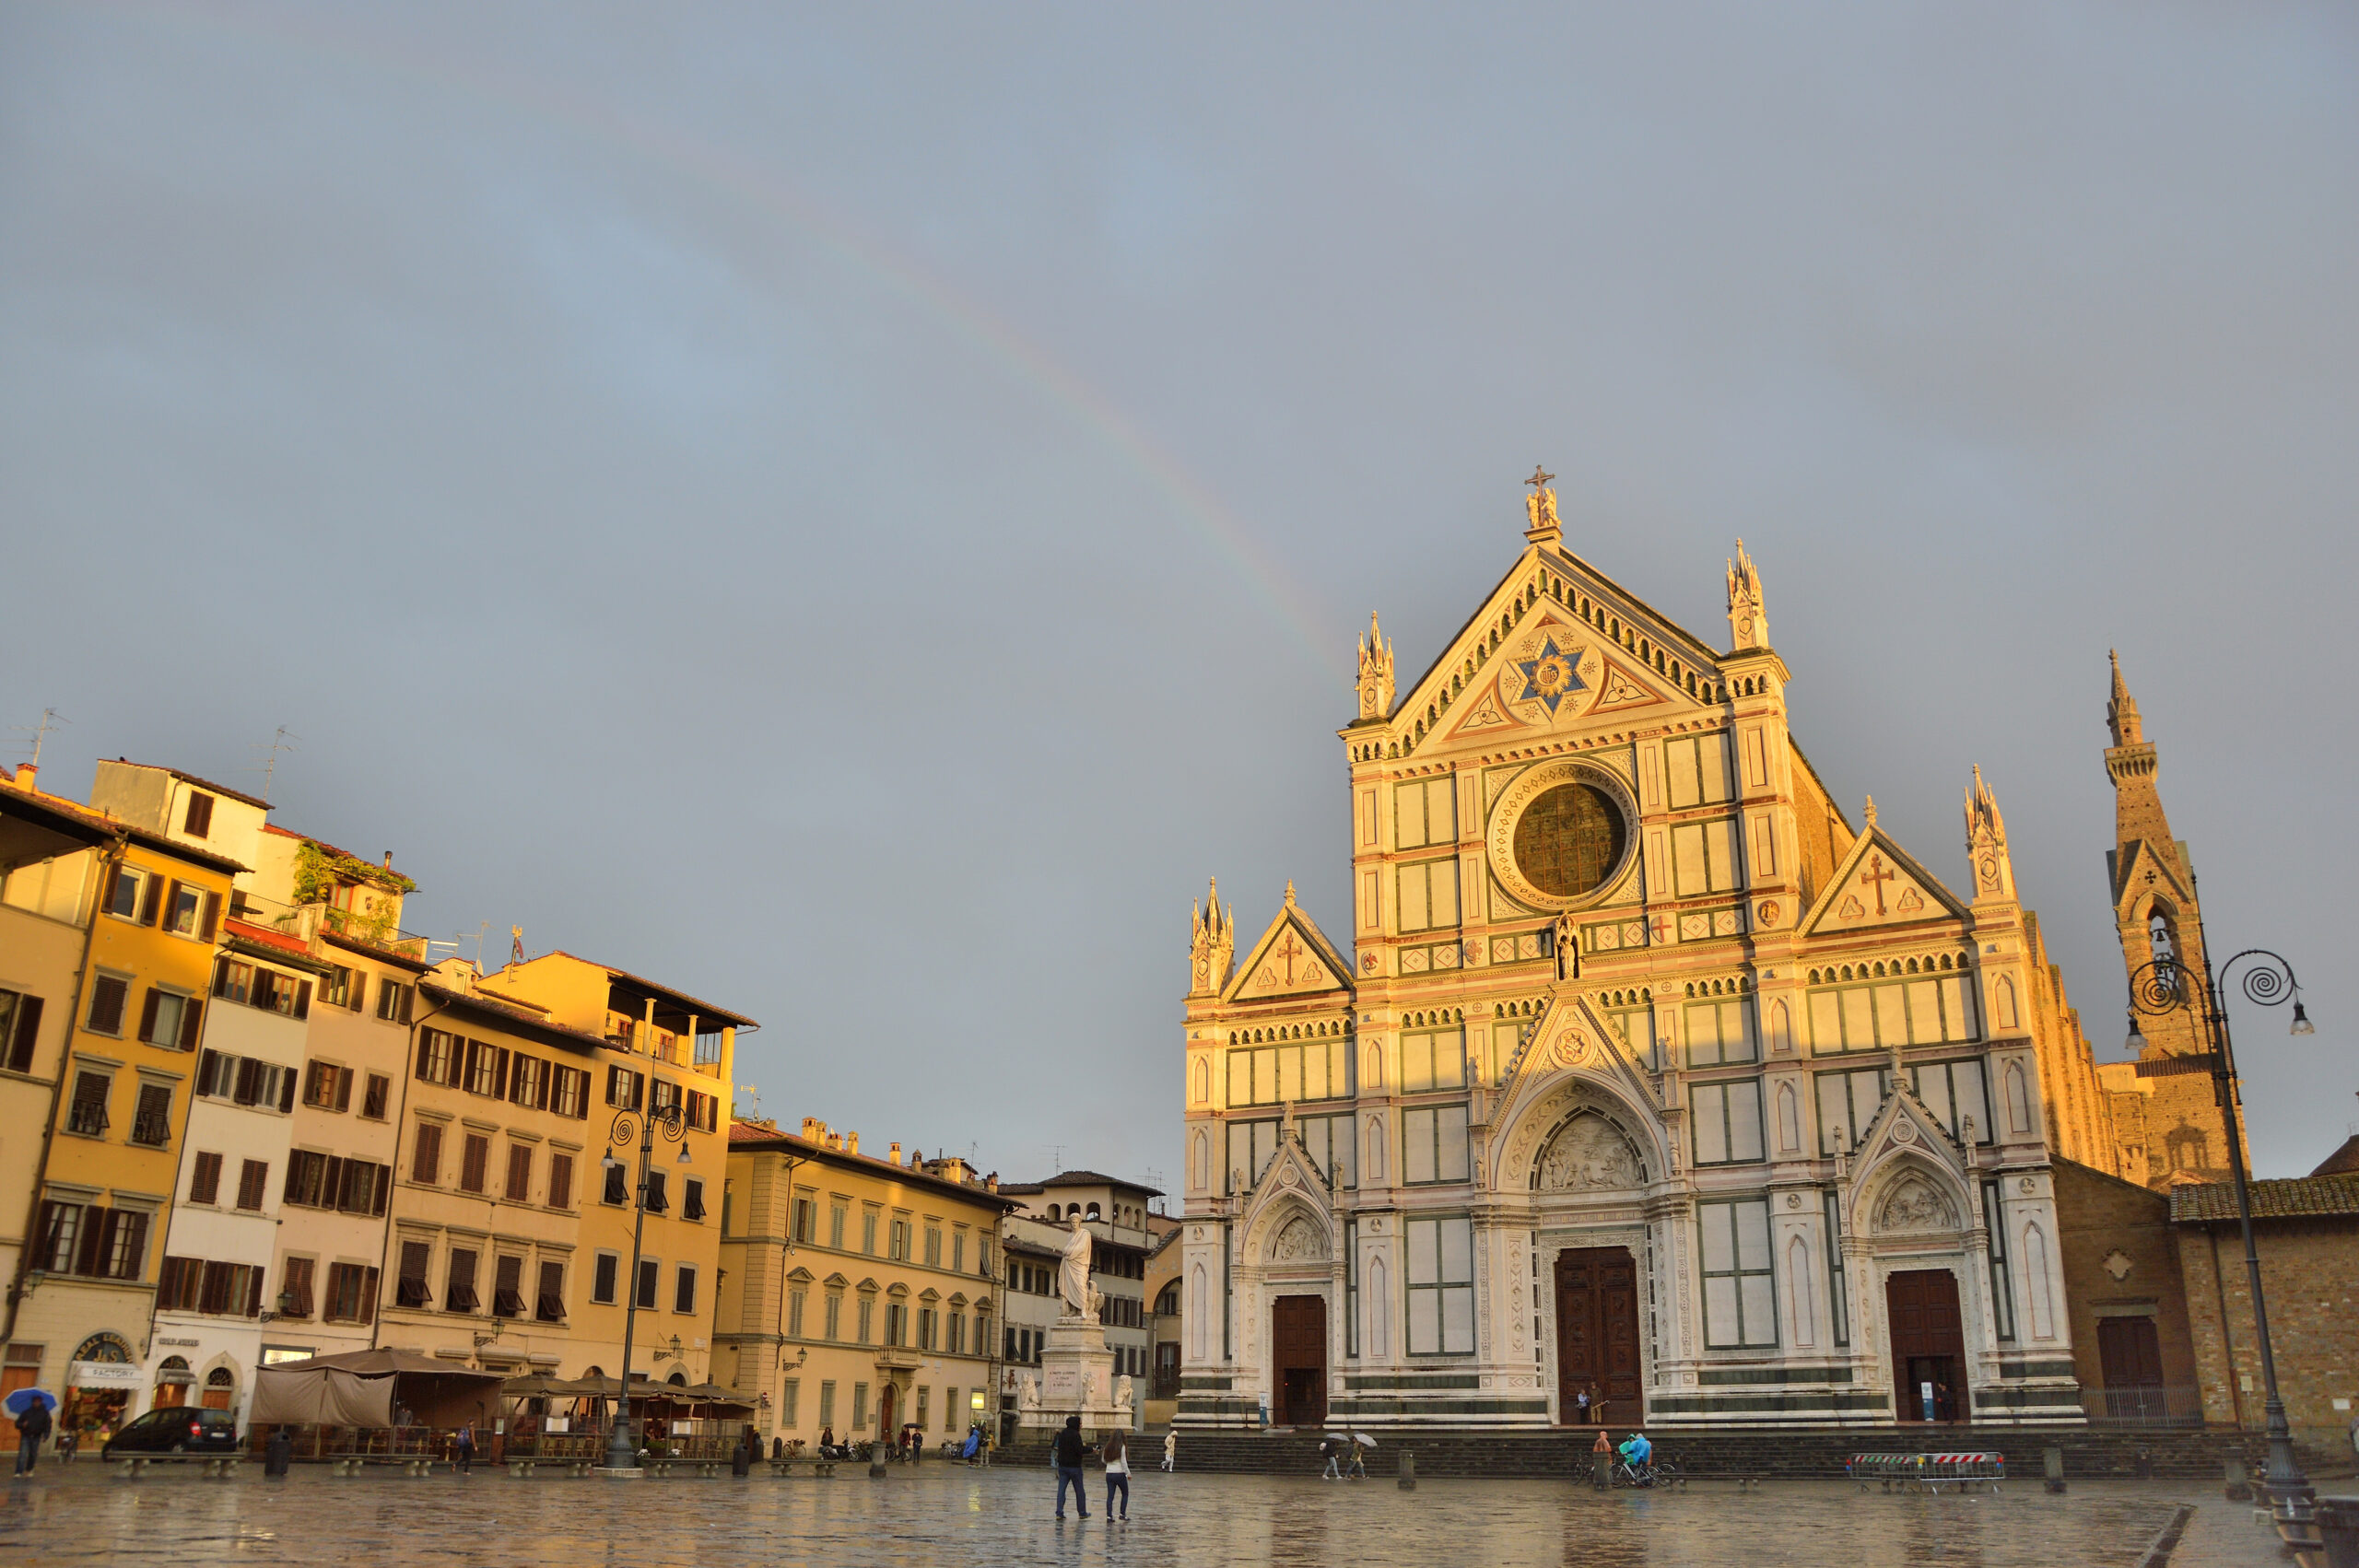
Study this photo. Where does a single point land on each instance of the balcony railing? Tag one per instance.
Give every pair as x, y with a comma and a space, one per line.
2144, 1405
304, 922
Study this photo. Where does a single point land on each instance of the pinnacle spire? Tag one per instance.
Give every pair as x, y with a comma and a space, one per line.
2122, 709
1376, 672
1747, 621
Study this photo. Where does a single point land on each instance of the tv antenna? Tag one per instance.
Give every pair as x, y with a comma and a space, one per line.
1056, 1158
282, 742
50, 719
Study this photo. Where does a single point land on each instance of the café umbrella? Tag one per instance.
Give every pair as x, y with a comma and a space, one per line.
19, 1401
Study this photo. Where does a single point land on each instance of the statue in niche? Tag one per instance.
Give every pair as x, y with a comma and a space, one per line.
1566, 941
1590, 1156
1298, 1243
1914, 1206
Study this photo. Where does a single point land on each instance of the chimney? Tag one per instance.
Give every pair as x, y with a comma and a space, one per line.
851, 1143
26, 772
897, 1153
835, 1141
813, 1130
991, 1181
388, 859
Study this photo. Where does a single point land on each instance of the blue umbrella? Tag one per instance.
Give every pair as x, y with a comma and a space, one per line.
22, 1399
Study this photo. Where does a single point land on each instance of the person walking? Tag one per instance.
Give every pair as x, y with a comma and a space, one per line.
32, 1427
1066, 1453
1171, 1449
466, 1448
1116, 1450
1331, 1450
1357, 1468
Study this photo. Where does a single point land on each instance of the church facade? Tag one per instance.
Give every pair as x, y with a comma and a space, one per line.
1644, 1073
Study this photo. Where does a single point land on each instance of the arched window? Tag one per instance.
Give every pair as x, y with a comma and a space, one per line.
1201, 1081
1789, 1125
1053, 1215
1093, 1212
2158, 936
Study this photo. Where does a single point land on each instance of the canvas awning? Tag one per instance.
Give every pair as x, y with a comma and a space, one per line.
352, 1390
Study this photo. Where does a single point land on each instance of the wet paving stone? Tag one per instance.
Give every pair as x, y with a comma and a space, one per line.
949, 1515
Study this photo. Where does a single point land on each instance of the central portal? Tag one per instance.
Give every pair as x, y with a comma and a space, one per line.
1597, 1334
1928, 1344
1298, 1353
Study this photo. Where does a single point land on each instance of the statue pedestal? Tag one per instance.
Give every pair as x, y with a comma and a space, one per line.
1075, 1377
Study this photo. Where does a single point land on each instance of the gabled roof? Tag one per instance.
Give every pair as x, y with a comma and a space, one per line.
70, 820
2343, 1159
2286, 1199
752, 1136
1272, 969
679, 999
254, 801
1092, 1178
1873, 887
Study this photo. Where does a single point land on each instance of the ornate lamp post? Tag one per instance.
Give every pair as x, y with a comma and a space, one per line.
620, 1456
2168, 986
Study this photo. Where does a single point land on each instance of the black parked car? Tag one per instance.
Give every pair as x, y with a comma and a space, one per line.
176, 1428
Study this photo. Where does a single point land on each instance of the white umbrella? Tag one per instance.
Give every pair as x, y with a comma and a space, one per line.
1363, 1439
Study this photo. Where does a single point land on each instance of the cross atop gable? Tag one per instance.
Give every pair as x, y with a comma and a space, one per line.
1292, 958
1879, 883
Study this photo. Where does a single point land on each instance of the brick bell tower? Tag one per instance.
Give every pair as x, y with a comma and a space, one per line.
2173, 1119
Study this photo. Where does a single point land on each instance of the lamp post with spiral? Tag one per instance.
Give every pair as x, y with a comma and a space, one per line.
2166, 986
643, 1126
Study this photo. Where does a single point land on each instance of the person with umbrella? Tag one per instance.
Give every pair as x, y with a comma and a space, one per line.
1357, 1468
29, 1409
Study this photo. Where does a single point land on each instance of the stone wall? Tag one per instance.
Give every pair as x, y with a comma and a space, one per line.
2310, 1270
2121, 1258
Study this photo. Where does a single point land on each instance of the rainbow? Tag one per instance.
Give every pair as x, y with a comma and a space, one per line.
747, 183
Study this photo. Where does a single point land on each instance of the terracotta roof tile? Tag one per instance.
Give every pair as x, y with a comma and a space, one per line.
2290, 1198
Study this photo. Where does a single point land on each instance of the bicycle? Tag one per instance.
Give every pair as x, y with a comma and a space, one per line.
1659, 1470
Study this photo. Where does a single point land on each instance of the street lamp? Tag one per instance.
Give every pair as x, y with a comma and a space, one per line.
2165, 986
620, 1456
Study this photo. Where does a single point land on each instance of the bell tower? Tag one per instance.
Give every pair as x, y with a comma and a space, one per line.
2159, 922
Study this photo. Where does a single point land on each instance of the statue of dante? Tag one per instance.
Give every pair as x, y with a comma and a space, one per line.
1073, 1274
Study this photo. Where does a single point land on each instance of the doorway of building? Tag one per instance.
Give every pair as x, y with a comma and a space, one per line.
884, 1412
1298, 1358
1928, 1345
1597, 1335
2130, 1358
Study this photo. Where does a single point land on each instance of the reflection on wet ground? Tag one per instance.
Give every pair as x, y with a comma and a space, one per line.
961, 1518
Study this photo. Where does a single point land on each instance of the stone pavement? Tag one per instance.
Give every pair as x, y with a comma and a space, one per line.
949, 1515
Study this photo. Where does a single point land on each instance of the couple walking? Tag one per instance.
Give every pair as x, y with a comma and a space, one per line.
1068, 1451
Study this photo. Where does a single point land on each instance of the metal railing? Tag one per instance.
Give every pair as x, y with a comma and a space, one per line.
2144, 1405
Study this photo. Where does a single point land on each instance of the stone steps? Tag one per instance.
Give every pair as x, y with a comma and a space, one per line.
2191, 1454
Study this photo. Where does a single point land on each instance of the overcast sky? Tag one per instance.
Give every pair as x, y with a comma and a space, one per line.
859, 511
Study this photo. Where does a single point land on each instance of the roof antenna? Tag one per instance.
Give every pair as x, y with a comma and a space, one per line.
1057, 1158
282, 742
50, 719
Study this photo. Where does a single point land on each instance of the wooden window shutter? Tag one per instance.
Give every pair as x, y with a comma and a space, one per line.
211, 915
500, 1075
303, 1000
171, 899
248, 1079
191, 1022
253, 1292
358, 998
28, 1034
148, 1014
344, 1088
93, 1240
151, 907
369, 1294
114, 881
286, 1089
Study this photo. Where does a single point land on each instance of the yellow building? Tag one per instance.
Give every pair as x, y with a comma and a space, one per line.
100, 1059
862, 1291
497, 1146
658, 1049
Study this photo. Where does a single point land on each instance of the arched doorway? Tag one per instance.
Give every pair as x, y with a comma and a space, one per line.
1299, 1360
99, 1380
220, 1388
1597, 1335
172, 1381
1928, 1344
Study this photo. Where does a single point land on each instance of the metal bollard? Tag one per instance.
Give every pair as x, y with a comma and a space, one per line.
2055, 1457
876, 1462
1408, 1470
